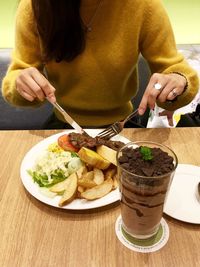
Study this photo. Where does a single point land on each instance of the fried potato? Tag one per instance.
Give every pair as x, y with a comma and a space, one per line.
107, 153
59, 188
80, 190
92, 158
98, 191
88, 175
110, 172
90, 167
95, 179
81, 171
115, 182
70, 190
98, 176
86, 180
86, 183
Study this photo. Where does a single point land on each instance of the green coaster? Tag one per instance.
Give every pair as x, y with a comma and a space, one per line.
151, 244
144, 242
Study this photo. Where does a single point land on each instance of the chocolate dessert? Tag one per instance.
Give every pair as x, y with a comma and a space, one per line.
145, 174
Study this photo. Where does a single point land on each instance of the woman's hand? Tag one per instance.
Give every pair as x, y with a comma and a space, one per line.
162, 87
31, 84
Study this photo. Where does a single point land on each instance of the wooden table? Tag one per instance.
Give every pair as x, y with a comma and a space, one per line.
35, 234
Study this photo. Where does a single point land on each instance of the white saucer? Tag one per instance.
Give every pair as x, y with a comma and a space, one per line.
182, 203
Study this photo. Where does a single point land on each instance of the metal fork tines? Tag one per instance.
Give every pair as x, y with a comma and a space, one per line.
116, 127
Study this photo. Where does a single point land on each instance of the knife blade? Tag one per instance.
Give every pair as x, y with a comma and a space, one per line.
68, 118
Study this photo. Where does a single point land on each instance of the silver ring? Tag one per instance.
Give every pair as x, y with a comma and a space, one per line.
158, 86
174, 93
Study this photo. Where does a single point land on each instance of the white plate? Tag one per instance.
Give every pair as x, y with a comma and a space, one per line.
181, 202
34, 190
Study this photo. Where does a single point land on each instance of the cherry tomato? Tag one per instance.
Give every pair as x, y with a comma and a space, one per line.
64, 143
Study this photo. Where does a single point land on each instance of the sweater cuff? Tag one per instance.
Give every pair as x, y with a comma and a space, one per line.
188, 94
181, 74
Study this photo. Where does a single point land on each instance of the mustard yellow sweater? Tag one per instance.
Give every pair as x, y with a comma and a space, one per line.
97, 86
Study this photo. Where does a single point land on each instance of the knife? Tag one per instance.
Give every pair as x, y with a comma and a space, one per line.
67, 117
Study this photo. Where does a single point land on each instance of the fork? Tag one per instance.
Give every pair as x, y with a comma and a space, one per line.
116, 127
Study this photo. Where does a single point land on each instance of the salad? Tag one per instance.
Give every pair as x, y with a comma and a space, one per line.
54, 165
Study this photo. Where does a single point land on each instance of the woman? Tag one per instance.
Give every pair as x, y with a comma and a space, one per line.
84, 55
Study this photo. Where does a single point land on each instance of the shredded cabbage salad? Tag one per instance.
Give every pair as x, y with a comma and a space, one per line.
54, 166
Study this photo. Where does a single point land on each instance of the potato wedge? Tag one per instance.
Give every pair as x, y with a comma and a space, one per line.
98, 176
86, 180
70, 190
98, 191
86, 183
92, 158
81, 171
59, 188
88, 175
110, 172
115, 181
80, 189
107, 153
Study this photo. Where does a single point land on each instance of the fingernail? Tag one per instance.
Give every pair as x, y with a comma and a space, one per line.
141, 111
52, 99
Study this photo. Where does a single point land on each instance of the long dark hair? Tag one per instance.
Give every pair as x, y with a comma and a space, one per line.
60, 28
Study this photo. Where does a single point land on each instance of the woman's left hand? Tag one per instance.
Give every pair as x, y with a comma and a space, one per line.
162, 87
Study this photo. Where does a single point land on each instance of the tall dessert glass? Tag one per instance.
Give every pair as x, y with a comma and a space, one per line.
145, 172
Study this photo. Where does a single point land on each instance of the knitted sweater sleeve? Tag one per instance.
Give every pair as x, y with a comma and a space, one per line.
27, 53
157, 45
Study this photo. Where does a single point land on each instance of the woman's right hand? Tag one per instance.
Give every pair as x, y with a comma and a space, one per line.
31, 84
